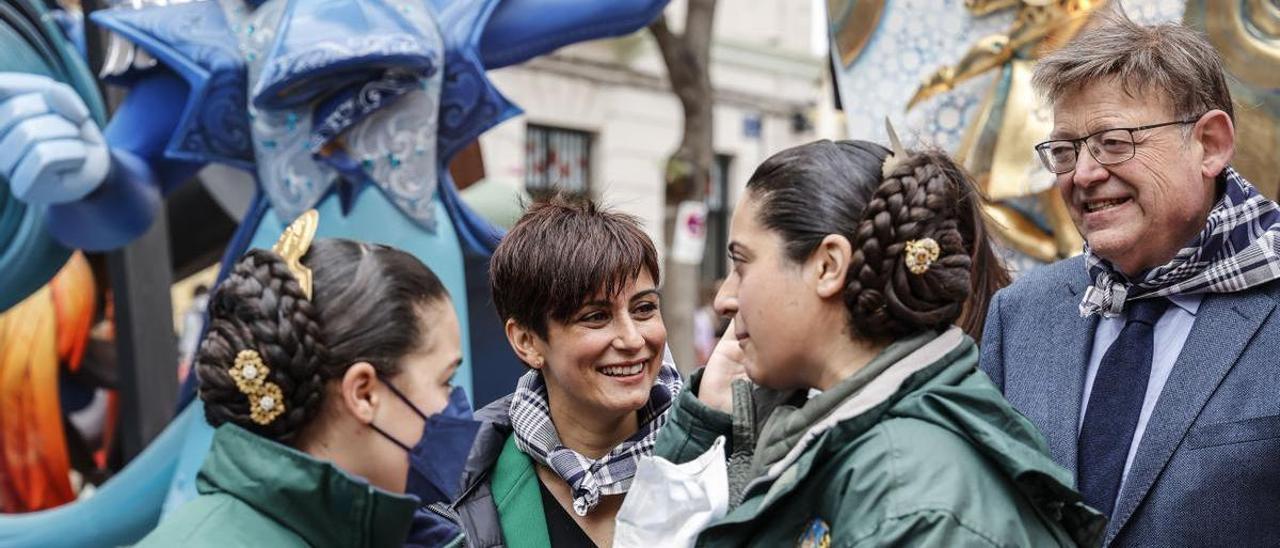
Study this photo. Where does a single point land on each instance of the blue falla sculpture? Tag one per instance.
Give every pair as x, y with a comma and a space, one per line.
47, 83
350, 107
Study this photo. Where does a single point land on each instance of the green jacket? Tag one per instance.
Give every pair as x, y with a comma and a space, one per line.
256, 492
500, 504
916, 449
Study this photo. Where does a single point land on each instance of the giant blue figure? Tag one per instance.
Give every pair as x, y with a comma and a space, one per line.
352, 107
61, 138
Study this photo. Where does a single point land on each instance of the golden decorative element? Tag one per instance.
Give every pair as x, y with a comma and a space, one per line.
249, 370
266, 400
1247, 35
920, 255
1070, 242
982, 7
974, 151
1258, 139
997, 145
294, 243
852, 24
1040, 24
1013, 160
1020, 233
266, 404
990, 52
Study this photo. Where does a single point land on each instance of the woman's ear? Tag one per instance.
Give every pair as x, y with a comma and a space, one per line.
524, 342
358, 396
829, 265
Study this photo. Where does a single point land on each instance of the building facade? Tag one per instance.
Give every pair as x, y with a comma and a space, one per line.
600, 117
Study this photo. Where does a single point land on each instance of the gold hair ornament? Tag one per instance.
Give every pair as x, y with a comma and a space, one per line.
920, 254
266, 400
294, 243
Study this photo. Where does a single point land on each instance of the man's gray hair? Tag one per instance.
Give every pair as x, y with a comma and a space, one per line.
1168, 58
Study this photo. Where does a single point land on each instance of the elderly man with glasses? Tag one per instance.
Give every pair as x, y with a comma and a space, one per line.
1152, 361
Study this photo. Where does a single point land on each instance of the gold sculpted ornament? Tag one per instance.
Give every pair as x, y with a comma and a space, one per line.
920, 255
294, 243
266, 400
266, 404
249, 371
1008, 122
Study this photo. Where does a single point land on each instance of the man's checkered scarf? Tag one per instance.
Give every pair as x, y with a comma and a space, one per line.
610, 475
1239, 248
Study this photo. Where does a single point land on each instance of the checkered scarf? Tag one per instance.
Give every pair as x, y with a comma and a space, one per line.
1239, 248
611, 474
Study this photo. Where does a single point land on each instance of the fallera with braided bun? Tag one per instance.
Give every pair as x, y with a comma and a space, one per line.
919, 200
847, 279
322, 402
825, 187
367, 306
261, 307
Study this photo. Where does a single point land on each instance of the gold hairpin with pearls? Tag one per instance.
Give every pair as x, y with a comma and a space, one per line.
266, 400
920, 254
294, 243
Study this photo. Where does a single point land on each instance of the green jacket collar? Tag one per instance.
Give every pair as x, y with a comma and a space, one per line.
315, 499
519, 499
930, 377
789, 427
855, 404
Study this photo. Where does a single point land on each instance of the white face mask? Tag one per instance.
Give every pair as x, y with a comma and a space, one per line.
691, 495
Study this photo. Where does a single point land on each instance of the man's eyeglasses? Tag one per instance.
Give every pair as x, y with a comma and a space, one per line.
1108, 147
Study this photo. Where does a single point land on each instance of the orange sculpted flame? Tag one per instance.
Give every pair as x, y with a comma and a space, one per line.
48, 328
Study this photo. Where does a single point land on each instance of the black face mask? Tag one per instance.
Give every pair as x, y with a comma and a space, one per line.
437, 460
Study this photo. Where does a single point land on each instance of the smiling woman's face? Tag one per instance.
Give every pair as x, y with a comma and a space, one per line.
605, 358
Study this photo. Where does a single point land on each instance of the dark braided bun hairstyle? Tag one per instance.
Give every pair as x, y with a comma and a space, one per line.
368, 304
811, 191
919, 199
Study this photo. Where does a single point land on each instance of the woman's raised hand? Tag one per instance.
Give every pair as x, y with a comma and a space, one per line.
726, 364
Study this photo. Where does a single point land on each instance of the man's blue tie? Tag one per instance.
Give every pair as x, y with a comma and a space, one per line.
1114, 405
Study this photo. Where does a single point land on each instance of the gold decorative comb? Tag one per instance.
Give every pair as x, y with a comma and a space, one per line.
294, 243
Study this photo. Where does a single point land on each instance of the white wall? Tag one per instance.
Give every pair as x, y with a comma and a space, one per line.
615, 89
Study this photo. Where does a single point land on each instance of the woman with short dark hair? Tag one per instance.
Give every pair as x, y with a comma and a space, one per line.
577, 287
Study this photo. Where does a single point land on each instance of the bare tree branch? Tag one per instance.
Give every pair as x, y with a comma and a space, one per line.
699, 28
687, 57
672, 49
668, 42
